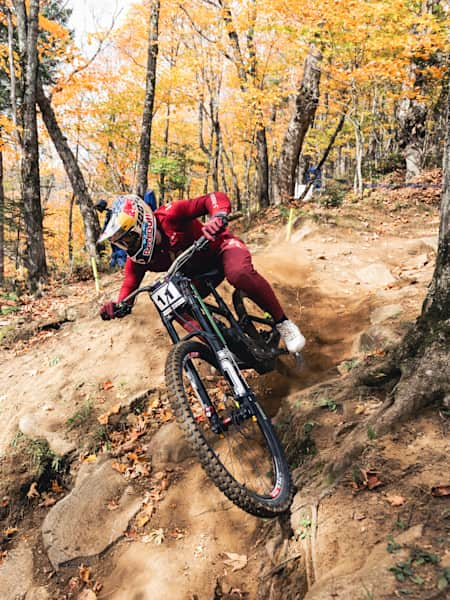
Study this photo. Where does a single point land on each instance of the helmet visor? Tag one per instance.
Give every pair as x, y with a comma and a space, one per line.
130, 241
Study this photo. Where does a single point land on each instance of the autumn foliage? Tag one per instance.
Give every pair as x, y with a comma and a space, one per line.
203, 133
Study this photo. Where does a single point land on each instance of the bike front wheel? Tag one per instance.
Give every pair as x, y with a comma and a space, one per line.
244, 457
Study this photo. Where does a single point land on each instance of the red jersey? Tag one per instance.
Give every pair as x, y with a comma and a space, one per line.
179, 227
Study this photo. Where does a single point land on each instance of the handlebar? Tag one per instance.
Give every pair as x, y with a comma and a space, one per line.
181, 259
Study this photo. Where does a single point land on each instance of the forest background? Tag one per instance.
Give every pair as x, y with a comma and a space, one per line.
189, 97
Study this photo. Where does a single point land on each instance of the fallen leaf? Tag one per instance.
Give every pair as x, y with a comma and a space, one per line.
165, 415
115, 409
74, 584
56, 487
235, 561
47, 500
156, 536
107, 385
138, 470
33, 492
141, 519
154, 404
120, 467
372, 480
359, 516
97, 586
103, 419
85, 573
90, 459
395, 500
10, 531
177, 533
440, 490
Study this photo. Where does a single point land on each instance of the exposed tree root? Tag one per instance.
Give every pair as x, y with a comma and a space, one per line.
423, 380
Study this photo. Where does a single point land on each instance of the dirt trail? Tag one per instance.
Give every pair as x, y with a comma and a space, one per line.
334, 278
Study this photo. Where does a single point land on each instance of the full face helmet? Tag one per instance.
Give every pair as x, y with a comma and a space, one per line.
132, 227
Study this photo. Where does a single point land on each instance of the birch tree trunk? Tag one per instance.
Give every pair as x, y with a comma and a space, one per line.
150, 82
32, 212
245, 74
301, 119
2, 222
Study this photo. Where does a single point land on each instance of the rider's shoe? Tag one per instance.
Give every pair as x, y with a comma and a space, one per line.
291, 336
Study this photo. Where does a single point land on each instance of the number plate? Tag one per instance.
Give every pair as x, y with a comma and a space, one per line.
167, 297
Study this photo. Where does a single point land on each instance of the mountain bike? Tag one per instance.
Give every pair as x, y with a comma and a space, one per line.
213, 403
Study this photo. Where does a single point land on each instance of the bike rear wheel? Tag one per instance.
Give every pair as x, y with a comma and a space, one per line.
257, 324
245, 460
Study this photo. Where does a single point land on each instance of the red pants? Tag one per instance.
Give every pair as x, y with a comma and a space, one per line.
240, 273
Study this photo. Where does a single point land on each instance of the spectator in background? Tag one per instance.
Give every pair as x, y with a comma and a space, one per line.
118, 256
314, 174
150, 199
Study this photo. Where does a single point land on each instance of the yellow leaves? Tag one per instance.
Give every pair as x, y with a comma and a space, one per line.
114, 410
90, 459
141, 519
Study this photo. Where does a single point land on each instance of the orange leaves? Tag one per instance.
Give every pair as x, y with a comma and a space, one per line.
114, 410
439, 491
365, 479
395, 500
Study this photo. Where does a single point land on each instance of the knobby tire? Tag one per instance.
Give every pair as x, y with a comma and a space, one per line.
261, 505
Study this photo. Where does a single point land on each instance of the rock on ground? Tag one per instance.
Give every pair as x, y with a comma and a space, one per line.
81, 525
16, 576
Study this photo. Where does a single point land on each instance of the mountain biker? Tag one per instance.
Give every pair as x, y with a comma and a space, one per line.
152, 240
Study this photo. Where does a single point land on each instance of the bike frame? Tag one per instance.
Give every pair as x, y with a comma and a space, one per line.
172, 294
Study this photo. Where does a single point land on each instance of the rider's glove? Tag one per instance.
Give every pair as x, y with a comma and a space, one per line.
111, 310
215, 225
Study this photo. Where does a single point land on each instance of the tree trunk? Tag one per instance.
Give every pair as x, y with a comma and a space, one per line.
262, 168
234, 178
359, 151
88, 213
164, 155
2, 222
36, 262
70, 232
302, 118
262, 160
12, 78
411, 116
150, 82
